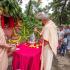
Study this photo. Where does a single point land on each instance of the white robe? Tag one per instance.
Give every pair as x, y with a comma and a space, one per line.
49, 33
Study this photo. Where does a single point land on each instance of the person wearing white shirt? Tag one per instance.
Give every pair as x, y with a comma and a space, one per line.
50, 41
68, 37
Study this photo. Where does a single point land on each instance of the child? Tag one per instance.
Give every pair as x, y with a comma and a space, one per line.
64, 46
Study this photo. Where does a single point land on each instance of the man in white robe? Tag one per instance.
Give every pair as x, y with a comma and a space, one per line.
49, 35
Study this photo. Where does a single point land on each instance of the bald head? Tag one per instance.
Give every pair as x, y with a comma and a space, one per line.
43, 17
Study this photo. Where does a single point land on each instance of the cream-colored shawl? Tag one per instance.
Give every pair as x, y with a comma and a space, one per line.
49, 34
3, 51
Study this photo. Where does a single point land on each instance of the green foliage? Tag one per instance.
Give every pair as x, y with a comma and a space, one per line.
29, 21
28, 25
11, 7
61, 11
32, 7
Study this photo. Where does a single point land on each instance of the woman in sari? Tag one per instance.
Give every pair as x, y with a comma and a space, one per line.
3, 47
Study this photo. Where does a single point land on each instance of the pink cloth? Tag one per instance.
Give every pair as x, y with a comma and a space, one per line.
2, 21
26, 58
11, 20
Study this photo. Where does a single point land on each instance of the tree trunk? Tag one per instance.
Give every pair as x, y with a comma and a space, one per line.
63, 9
29, 8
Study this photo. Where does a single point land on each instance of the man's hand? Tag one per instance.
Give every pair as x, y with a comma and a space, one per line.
35, 29
5, 46
8, 46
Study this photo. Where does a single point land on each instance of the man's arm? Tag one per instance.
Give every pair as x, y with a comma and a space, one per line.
36, 30
7, 46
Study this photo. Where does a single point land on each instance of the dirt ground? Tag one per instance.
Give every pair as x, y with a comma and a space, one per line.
59, 63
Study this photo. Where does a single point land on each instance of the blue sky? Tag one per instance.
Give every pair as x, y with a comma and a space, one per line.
44, 2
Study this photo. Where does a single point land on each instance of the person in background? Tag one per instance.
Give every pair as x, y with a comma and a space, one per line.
61, 33
60, 38
3, 47
50, 41
68, 37
65, 40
